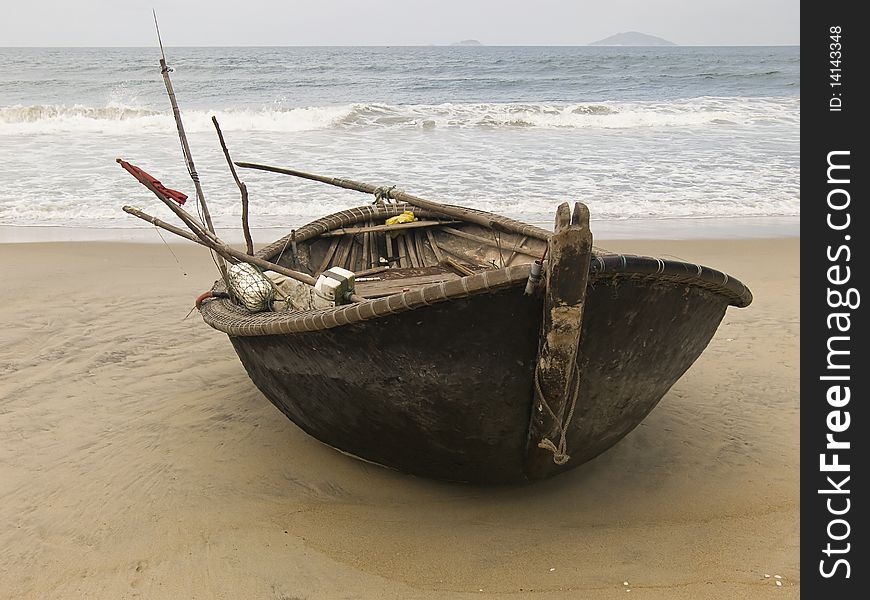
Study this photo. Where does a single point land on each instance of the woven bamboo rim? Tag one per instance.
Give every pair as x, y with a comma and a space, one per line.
234, 320
225, 316
360, 214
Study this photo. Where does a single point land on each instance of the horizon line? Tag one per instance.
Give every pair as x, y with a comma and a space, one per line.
442, 45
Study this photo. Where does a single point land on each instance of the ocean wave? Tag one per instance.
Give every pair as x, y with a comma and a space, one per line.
120, 119
278, 210
40, 113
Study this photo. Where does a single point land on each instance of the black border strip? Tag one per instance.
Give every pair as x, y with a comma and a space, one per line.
834, 260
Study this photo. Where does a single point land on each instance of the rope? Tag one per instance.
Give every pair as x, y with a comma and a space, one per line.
280, 254
168, 247
560, 451
383, 193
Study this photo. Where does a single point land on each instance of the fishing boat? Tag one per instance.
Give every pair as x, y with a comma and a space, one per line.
475, 348
449, 342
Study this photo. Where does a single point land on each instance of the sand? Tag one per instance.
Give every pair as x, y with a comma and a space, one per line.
138, 460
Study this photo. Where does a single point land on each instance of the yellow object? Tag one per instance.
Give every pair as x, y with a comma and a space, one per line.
405, 217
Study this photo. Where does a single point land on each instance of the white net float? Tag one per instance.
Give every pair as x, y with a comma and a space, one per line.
250, 287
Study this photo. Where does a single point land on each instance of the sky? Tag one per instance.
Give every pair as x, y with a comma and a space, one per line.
394, 22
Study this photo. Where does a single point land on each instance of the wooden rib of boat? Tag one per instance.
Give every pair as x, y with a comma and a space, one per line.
447, 368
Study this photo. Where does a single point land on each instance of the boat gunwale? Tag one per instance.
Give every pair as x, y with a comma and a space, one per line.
385, 210
224, 315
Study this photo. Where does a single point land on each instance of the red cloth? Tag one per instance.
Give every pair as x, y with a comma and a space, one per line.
142, 176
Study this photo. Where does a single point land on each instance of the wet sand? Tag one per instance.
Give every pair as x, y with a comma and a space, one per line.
137, 460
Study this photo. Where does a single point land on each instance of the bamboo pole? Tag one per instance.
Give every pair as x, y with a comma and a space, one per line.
210, 240
189, 236
452, 211
229, 252
243, 189
185, 147
224, 250
164, 225
379, 228
192, 223
496, 236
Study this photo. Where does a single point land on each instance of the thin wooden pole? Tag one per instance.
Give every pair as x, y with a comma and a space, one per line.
185, 147
164, 225
210, 240
192, 223
452, 211
229, 252
189, 236
379, 228
243, 189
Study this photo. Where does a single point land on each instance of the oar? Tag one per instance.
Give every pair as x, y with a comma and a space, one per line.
387, 192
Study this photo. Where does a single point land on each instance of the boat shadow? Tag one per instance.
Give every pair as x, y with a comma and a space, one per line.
665, 471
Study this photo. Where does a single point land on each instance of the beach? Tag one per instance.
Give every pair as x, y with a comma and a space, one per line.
137, 459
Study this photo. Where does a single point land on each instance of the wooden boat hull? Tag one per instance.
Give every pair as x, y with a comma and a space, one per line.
486, 350
447, 391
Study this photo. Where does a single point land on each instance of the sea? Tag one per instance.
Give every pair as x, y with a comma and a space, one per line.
645, 136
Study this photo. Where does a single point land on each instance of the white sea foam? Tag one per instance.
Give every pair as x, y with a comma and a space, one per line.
638, 135
614, 174
118, 119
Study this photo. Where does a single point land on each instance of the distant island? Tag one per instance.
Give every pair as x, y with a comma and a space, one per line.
632, 38
467, 43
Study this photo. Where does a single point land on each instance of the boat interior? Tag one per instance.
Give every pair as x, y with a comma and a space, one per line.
392, 258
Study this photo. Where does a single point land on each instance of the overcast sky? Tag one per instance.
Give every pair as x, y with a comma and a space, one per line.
394, 22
